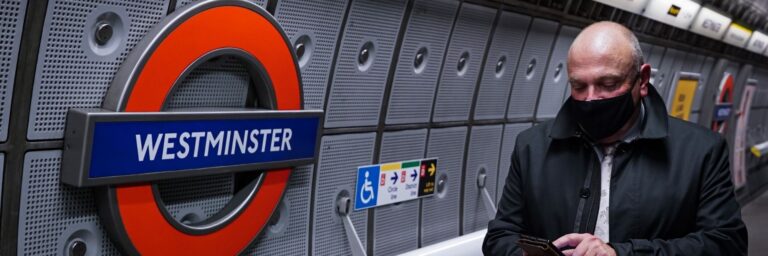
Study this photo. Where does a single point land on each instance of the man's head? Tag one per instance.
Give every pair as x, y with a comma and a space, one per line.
605, 62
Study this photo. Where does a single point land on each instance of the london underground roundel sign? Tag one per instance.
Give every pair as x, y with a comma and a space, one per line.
129, 144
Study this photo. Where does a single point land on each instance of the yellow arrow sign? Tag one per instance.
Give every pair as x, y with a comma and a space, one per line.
431, 169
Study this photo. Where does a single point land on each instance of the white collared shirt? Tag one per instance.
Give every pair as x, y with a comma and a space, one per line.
605, 154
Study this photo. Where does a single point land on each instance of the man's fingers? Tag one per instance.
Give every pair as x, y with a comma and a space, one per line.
571, 240
568, 252
592, 248
585, 245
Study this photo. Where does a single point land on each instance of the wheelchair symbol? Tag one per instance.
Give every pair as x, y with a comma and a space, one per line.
367, 186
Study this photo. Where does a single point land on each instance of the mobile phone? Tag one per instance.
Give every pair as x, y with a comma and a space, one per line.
535, 246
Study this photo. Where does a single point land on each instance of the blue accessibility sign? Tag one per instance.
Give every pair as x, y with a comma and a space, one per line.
366, 188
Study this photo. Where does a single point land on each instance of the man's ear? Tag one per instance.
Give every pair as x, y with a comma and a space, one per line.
645, 77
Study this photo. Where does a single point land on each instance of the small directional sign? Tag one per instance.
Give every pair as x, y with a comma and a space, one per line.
391, 183
722, 111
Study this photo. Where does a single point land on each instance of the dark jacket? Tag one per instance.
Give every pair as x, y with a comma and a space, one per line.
671, 191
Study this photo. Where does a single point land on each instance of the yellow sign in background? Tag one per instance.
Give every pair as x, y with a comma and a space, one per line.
683, 100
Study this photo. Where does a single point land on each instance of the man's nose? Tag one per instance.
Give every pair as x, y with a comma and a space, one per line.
591, 93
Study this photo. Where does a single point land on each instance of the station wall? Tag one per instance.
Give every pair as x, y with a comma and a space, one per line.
398, 80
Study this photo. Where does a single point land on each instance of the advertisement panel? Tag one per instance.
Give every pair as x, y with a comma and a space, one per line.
758, 42
678, 13
737, 35
682, 99
633, 6
710, 23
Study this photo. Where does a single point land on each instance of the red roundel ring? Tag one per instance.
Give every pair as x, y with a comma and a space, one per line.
130, 212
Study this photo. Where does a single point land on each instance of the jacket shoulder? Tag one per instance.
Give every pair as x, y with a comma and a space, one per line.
692, 135
535, 135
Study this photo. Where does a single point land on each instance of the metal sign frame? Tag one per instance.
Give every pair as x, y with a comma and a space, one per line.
77, 156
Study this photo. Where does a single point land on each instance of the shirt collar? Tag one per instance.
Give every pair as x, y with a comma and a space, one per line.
635, 131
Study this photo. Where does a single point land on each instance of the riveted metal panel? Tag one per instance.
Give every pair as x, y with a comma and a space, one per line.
556, 77
440, 213
507, 147
340, 155
51, 214
530, 71
706, 69
73, 70
364, 58
500, 66
483, 156
11, 26
462, 63
670, 69
426, 37
395, 227
288, 231
313, 26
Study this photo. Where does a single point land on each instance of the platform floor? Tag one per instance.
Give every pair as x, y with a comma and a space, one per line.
755, 215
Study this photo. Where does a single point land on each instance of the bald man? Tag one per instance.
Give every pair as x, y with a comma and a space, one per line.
613, 174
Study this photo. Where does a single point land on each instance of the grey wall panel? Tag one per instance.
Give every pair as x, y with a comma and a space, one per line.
340, 155
440, 213
2, 173
507, 147
500, 66
196, 198
180, 3
693, 63
761, 98
733, 69
462, 63
694, 117
556, 78
315, 27
670, 65
363, 63
676, 68
646, 48
289, 233
52, 214
223, 82
483, 155
752, 125
654, 56
530, 71
72, 70
393, 232
706, 68
11, 25
758, 98
421, 56
753, 128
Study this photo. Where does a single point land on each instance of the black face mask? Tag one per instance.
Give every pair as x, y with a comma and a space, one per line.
599, 119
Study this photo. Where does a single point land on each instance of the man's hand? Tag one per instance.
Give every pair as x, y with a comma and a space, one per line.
585, 244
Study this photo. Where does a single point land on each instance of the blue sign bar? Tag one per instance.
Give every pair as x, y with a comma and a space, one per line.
130, 149
722, 111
